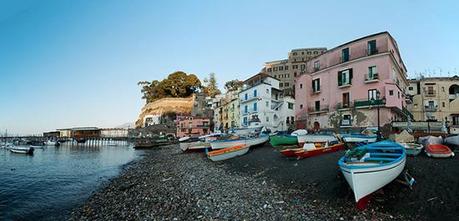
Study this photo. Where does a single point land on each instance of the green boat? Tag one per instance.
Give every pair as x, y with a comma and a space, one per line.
279, 140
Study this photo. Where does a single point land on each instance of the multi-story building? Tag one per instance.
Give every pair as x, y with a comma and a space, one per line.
435, 99
348, 86
192, 126
261, 100
230, 110
216, 106
286, 70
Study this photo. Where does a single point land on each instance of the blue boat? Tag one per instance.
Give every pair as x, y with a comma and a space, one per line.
370, 167
358, 138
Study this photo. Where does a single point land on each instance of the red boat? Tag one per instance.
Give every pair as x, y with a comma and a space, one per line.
290, 152
439, 151
315, 150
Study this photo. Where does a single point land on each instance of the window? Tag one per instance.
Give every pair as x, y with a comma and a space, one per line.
294, 53
345, 55
315, 52
275, 76
245, 120
301, 86
430, 90
281, 84
316, 65
292, 119
346, 100
287, 120
302, 59
294, 74
286, 68
290, 106
286, 84
371, 50
398, 94
246, 97
391, 92
267, 90
302, 52
372, 94
275, 69
267, 119
246, 109
372, 73
345, 77
410, 88
431, 104
317, 106
316, 85
346, 121
267, 103
443, 104
270, 69
303, 67
301, 106
255, 106
295, 66
281, 68
309, 53
255, 93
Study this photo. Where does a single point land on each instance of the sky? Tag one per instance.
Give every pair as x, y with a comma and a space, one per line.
77, 63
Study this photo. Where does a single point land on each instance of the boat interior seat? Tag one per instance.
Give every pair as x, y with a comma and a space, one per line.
395, 155
378, 159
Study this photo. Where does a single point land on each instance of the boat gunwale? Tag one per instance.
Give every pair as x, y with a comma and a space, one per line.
342, 164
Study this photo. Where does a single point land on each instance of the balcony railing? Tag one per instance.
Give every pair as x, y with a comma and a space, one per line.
430, 108
370, 78
364, 103
343, 105
318, 109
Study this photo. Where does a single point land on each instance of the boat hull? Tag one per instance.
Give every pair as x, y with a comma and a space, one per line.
279, 140
290, 152
313, 138
439, 151
198, 145
23, 150
364, 182
359, 139
452, 140
220, 144
319, 151
412, 149
228, 153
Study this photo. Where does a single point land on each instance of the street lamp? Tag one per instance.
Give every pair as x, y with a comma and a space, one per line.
373, 102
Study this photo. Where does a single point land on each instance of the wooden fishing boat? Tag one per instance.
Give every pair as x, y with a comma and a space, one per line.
249, 141
452, 140
316, 138
190, 144
359, 138
290, 152
22, 150
279, 140
370, 167
427, 140
314, 149
228, 153
439, 151
412, 149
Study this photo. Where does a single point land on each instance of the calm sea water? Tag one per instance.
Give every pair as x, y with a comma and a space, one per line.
49, 184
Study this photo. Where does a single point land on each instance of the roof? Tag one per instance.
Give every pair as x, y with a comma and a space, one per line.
260, 75
455, 77
308, 49
277, 61
80, 128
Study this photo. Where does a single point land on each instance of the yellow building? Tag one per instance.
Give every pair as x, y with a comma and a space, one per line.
435, 99
230, 110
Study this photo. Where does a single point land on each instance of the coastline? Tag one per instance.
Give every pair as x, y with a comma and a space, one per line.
166, 184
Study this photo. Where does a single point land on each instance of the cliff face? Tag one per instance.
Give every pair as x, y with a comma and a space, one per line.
165, 105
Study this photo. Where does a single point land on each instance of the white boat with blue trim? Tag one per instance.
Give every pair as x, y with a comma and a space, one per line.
370, 167
249, 141
359, 138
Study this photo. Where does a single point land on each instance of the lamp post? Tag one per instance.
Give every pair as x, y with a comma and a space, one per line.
373, 101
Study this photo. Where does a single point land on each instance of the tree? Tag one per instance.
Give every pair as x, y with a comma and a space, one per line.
233, 85
177, 84
211, 87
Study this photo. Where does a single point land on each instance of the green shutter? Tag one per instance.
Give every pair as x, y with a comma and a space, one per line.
318, 84
339, 79
350, 76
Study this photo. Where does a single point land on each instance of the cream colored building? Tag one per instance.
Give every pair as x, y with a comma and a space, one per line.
435, 98
287, 69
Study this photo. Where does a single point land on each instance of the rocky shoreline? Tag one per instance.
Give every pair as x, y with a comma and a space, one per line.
169, 185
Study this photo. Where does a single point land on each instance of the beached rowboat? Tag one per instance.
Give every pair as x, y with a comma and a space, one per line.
452, 140
358, 138
278, 140
370, 167
427, 140
193, 144
314, 138
228, 153
310, 149
249, 141
412, 149
439, 151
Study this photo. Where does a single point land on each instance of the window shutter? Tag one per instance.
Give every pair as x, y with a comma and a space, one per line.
350, 76
318, 84
339, 78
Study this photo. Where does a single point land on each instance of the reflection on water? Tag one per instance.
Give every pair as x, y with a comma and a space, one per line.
49, 184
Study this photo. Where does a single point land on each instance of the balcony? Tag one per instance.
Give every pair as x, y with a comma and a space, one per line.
367, 103
243, 100
430, 108
343, 105
371, 78
453, 96
316, 109
430, 93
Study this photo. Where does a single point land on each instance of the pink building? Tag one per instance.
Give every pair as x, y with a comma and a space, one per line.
192, 126
344, 86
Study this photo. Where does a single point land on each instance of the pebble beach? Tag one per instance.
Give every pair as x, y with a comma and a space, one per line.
166, 184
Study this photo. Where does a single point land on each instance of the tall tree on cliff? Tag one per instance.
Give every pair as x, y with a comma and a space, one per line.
211, 87
177, 84
233, 85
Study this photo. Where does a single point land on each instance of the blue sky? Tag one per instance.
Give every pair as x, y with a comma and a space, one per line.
77, 63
